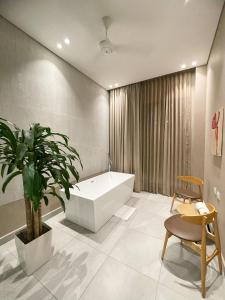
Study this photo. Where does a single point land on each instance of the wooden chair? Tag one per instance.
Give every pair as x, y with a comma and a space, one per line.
187, 193
192, 231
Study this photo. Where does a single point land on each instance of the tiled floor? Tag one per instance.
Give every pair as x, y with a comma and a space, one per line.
120, 262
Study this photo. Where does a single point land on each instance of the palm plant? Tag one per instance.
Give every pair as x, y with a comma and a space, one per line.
45, 161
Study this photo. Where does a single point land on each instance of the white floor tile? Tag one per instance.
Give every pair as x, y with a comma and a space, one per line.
66, 226
119, 262
149, 223
59, 239
217, 289
14, 284
9, 247
115, 281
70, 270
140, 252
181, 272
165, 293
105, 239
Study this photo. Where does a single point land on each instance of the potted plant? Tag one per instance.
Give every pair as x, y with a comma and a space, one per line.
45, 160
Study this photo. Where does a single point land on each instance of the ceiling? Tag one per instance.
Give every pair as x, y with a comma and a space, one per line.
151, 37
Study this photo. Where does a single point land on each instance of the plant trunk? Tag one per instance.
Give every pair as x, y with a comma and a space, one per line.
36, 224
40, 220
29, 219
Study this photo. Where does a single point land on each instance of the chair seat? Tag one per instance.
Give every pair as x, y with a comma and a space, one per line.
183, 229
189, 194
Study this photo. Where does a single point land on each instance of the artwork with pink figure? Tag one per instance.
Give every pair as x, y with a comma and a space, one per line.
217, 132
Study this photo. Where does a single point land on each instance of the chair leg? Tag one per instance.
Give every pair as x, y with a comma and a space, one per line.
168, 235
174, 197
218, 245
220, 263
203, 276
203, 260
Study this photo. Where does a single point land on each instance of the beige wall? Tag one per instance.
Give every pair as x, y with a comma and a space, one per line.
198, 123
215, 166
38, 86
12, 214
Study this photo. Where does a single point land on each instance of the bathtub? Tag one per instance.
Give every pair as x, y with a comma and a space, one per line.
98, 198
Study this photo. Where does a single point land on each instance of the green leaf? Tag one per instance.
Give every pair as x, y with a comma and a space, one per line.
37, 183
8, 179
33, 187
44, 158
46, 200
74, 172
67, 186
28, 180
65, 137
7, 133
20, 151
45, 179
11, 167
3, 169
12, 124
60, 199
29, 138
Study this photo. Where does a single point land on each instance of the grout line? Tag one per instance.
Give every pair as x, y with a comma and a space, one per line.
158, 281
39, 280
178, 292
81, 241
44, 286
132, 268
74, 238
32, 276
92, 279
109, 253
122, 263
108, 256
147, 234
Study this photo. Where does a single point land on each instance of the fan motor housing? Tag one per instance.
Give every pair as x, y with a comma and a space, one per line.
106, 46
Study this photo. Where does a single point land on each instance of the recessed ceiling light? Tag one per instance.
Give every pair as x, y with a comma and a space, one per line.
59, 46
110, 86
183, 66
194, 63
116, 84
67, 41
186, 1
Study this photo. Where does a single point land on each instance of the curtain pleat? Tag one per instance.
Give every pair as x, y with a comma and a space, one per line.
150, 130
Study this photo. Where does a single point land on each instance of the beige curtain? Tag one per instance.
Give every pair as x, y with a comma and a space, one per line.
150, 130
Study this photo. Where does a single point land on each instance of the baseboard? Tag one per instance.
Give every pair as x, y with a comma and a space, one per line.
6, 238
52, 213
6, 234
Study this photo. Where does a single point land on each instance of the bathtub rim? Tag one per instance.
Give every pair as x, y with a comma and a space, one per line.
129, 176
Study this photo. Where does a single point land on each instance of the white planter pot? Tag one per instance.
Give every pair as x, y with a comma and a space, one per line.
35, 253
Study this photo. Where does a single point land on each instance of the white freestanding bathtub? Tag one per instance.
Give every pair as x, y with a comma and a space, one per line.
98, 198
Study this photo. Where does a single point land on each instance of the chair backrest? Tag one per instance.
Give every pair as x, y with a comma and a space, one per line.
202, 219
191, 179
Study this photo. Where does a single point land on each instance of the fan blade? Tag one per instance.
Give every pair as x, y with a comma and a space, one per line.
131, 49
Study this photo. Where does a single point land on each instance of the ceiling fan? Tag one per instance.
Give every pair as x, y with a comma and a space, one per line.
106, 45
